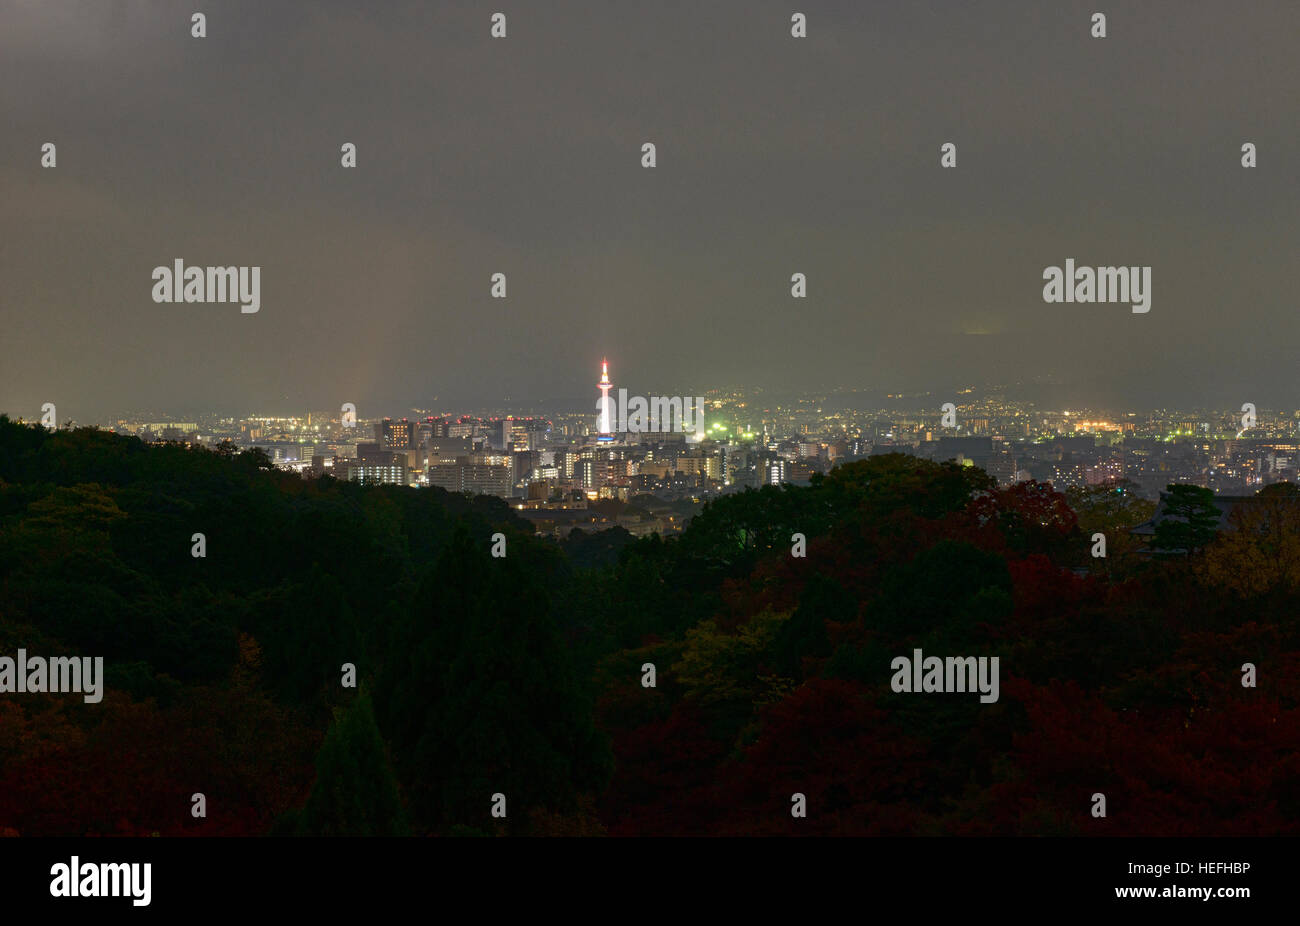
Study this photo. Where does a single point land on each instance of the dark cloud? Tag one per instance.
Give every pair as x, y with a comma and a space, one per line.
522, 155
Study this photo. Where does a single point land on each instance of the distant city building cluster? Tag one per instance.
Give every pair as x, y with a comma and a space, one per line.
556, 470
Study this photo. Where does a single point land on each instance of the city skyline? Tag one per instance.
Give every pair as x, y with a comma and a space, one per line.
667, 448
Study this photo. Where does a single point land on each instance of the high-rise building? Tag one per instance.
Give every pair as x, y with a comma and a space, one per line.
376, 454
444, 476
564, 462
487, 479
605, 426
395, 435
517, 434
592, 474
447, 449
474, 476
376, 474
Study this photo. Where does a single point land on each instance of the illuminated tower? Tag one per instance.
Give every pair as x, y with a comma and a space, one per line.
604, 426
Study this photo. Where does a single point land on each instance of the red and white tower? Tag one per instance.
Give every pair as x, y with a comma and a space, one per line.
605, 427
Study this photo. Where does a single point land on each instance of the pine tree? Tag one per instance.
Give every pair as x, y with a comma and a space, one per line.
355, 793
481, 695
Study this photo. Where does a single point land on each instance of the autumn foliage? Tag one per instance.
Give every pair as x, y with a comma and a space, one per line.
1121, 676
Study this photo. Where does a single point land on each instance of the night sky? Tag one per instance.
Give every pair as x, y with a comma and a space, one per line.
522, 155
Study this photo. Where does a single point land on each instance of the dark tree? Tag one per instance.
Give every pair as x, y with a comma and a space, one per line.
355, 792
1189, 520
